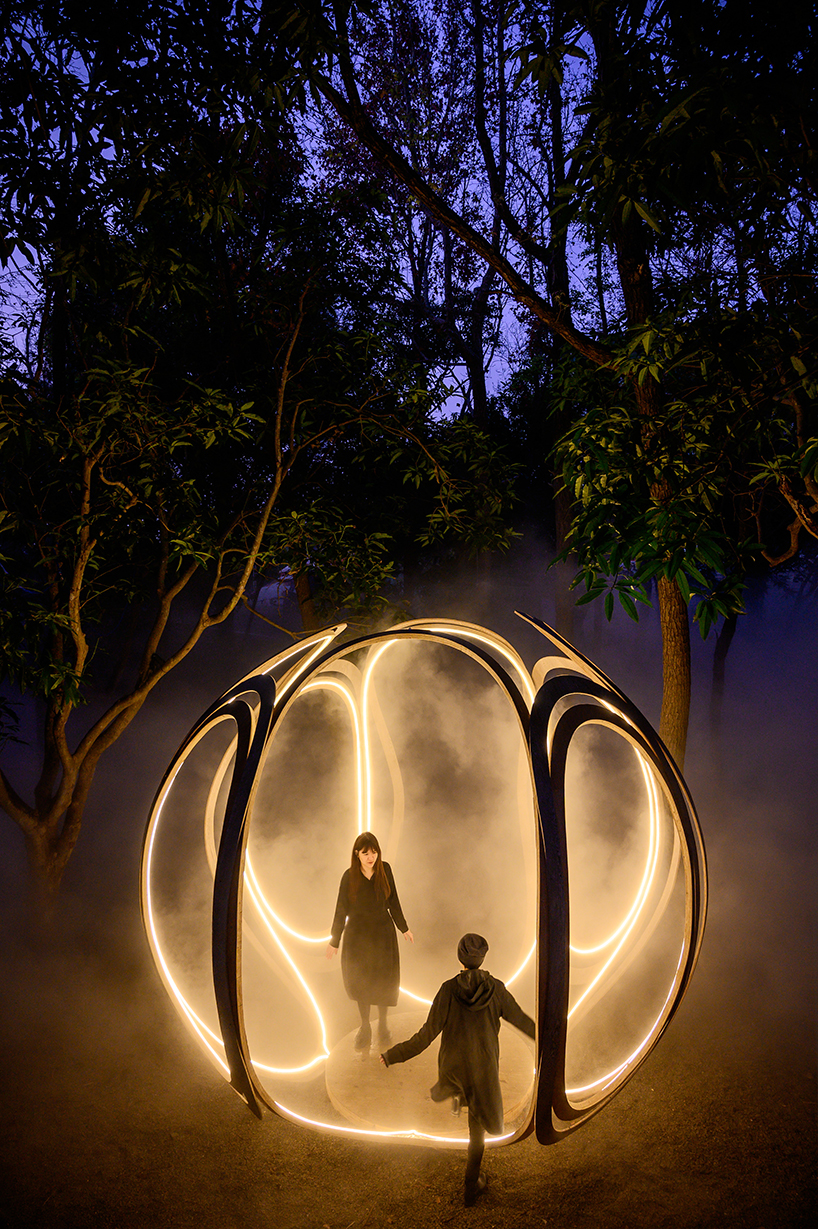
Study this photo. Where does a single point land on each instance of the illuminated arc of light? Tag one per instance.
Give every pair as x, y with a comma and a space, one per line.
199, 1026
367, 682
266, 911
260, 900
695, 866
321, 641
319, 1058
499, 645
196, 1023
257, 896
405, 1133
370, 666
642, 895
598, 700
528, 687
361, 756
418, 999
649, 872
637, 905
606, 1080
492, 643
250, 874
515, 975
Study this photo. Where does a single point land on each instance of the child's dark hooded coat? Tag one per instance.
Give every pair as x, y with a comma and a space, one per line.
467, 1010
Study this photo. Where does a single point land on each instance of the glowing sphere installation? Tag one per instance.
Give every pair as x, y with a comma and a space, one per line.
554, 821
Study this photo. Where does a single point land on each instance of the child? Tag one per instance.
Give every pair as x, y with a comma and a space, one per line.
467, 1010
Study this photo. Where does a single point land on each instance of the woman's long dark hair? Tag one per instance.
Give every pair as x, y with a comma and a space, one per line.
367, 840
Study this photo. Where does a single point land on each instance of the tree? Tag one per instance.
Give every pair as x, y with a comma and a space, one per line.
720, 169
663, 134
446, 299
202, 349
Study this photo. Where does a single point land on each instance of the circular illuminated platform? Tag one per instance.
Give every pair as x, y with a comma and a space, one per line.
376, 1099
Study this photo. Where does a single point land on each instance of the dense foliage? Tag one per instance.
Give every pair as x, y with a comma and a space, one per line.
253, 251
206, 379
641, 188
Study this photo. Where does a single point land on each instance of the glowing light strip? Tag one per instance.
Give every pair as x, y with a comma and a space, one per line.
370, 666
267, 912
198, 1025
367, 681
250, 875
411, 995
606, 1080
529, 687
644, 890
406, 1133
297, 971
528, 690
286, 683
648, 874
500, 647
194, 1019
514, 976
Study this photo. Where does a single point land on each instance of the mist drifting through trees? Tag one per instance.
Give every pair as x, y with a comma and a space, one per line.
392, 309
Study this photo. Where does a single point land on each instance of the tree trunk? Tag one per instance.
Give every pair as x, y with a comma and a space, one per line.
46, 867
303, 590
564, 600
675, 669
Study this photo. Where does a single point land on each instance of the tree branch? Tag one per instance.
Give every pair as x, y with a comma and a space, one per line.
352, 111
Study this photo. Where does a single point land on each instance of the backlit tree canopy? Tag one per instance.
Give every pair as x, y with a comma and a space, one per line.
251, 249
641, 188
202, 377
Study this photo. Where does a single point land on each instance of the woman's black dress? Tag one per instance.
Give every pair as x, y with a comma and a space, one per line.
369, 958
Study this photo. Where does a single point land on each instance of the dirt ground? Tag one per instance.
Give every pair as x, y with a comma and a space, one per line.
110, 1116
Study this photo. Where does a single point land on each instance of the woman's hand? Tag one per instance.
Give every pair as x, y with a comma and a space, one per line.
331, 951
408, 936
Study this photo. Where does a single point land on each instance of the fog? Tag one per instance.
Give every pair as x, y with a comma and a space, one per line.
451, 804
88, 998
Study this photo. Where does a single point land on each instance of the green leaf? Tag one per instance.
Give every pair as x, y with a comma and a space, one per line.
146, 196
590, 596
684, 587
629, 605
647, 215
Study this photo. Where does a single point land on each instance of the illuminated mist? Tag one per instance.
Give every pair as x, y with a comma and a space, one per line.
113, 1116
413, 739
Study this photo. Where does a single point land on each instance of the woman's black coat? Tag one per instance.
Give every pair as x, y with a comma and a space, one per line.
370, 961
467, 1010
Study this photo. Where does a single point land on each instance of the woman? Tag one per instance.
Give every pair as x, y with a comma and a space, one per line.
369, 908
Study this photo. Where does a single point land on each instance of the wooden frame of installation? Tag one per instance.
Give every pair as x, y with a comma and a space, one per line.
562, 695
